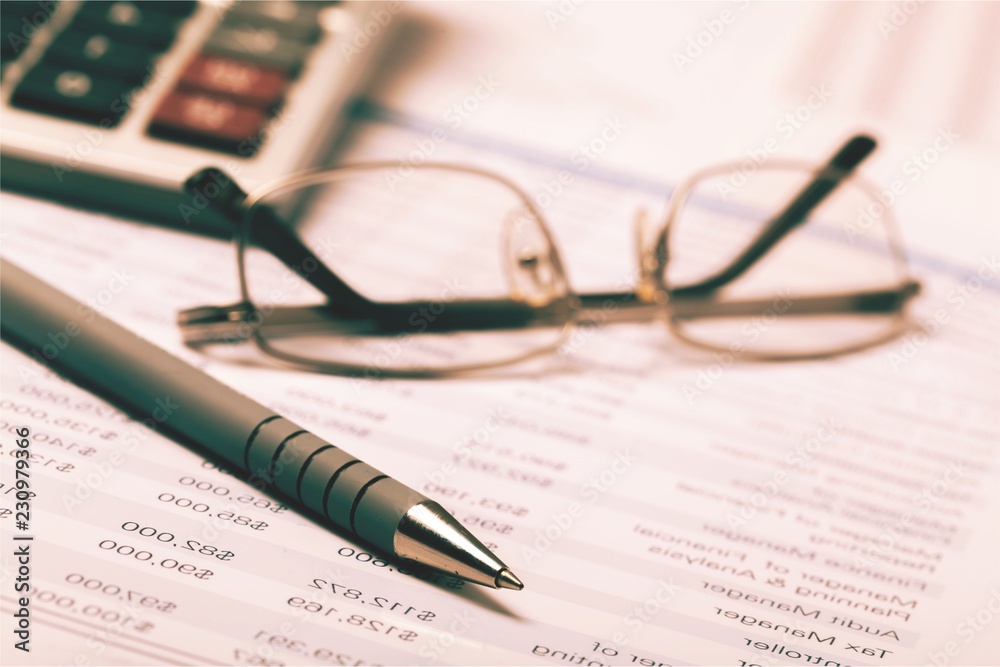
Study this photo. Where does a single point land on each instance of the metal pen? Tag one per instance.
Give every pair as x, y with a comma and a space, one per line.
138, 376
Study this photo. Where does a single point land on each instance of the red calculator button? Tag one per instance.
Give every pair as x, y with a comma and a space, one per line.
211, 122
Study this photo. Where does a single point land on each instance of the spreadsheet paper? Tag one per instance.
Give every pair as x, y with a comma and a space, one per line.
659, 511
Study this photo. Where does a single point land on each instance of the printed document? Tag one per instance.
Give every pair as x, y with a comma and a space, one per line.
662, 506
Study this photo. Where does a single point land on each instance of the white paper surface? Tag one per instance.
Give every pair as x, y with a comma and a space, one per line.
658, 523
835, 512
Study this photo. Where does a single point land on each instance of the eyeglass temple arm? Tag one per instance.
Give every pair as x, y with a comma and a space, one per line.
812, 195
627, 307
273, 234
884, 301
233, 323
229, 323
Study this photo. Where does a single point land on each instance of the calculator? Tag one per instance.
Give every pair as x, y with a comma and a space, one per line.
112, 105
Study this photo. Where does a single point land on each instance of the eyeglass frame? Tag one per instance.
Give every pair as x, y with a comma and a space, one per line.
651, 299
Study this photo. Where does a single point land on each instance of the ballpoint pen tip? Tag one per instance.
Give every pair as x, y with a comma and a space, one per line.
506, 579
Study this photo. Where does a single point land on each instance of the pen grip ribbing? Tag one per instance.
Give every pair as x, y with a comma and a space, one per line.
329, 481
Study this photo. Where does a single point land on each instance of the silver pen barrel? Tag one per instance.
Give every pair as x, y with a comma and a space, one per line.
141, 378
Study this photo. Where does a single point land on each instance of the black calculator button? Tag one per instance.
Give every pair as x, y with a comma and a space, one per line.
261, 45
178, 8
30, 15
73, 94
100, 54
28, 7
137, 23
11, 43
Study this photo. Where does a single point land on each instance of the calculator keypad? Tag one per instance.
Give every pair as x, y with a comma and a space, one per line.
226, 95
153, 24
89, 72
100, 54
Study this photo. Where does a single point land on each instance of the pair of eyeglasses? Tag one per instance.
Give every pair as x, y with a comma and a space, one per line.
387, 270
